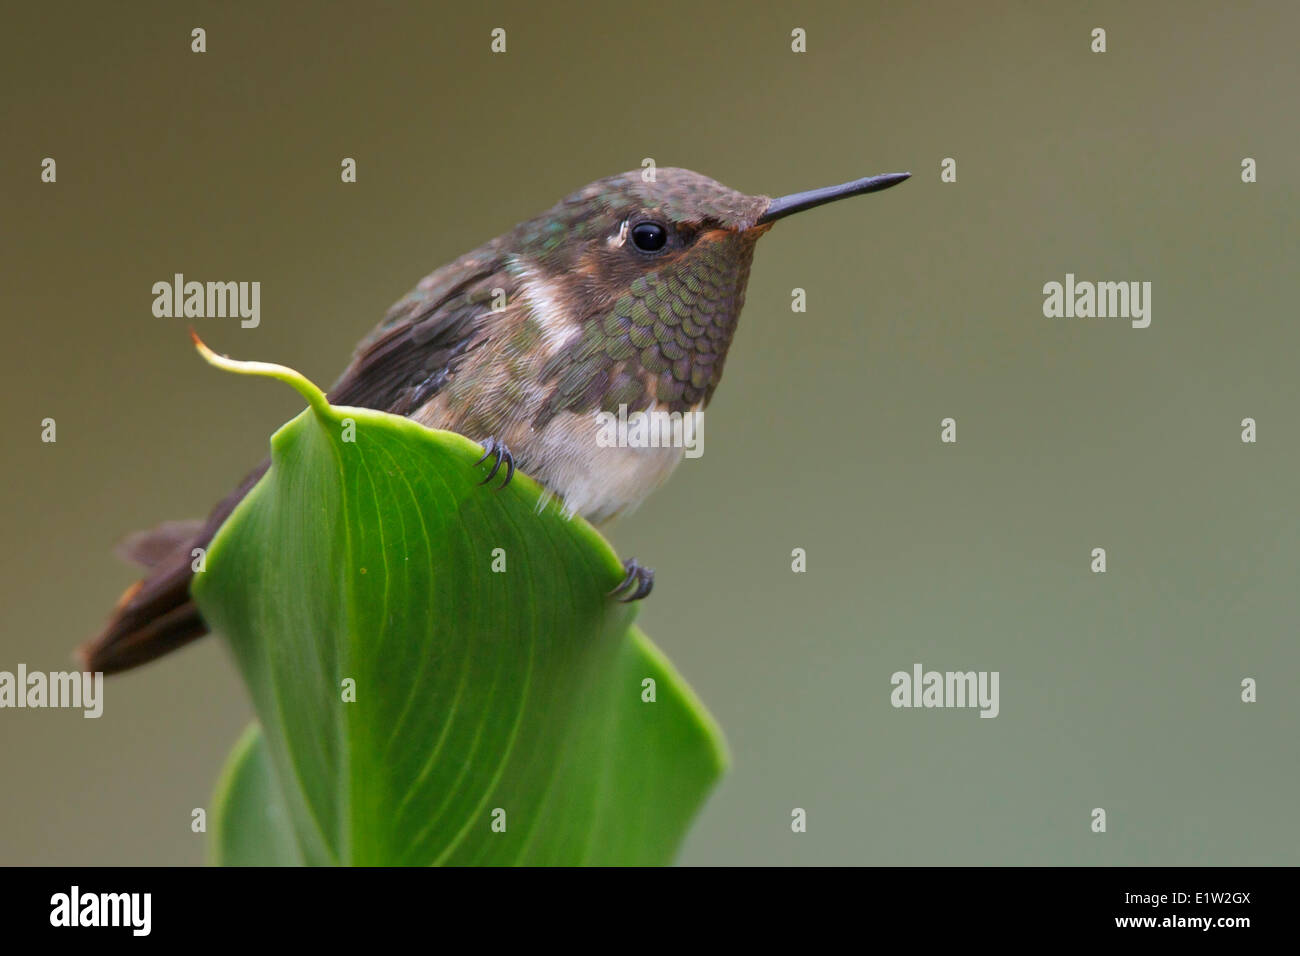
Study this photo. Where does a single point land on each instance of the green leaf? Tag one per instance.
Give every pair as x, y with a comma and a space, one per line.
251, 826
363, 564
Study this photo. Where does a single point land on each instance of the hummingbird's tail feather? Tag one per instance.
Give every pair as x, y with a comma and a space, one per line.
150, 548
157, 615
154, 616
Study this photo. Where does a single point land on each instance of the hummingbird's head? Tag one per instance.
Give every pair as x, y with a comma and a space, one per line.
645, 278
609, 234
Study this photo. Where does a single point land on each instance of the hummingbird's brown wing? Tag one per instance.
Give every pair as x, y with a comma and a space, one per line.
404, 362
416, 350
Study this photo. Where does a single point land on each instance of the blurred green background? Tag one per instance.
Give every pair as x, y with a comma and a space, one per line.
1118, 690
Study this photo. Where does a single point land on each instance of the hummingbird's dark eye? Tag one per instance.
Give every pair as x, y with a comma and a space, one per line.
649, 236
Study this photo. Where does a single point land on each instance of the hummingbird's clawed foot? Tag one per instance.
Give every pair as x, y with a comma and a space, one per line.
638, 583
491, 448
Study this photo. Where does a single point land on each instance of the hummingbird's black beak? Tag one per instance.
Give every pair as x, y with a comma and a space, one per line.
784, 206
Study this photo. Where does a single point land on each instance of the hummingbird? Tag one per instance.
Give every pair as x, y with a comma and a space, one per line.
626, 294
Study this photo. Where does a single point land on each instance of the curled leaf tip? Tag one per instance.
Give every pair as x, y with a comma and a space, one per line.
299, 382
